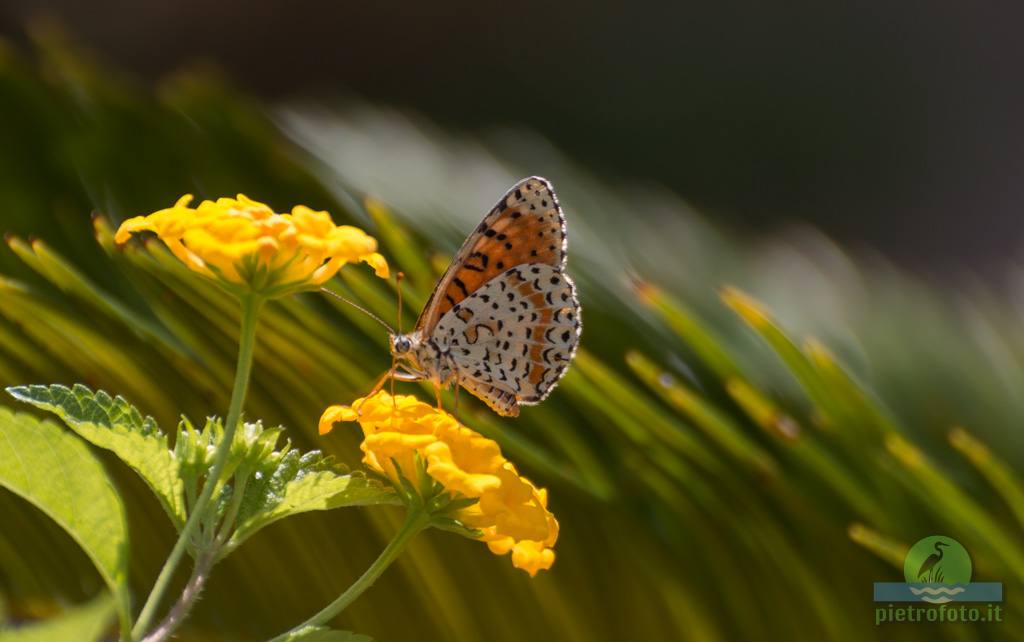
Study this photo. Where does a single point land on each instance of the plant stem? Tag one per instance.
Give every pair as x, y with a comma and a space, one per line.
226, 526
247, 339
183, 606
415, 521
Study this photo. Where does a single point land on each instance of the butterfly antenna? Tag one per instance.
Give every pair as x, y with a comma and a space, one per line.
360, 308
398, 282
394, 358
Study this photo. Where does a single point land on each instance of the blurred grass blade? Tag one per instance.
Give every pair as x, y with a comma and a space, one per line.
645, 423
761, 410
957, 506
755, 315
51, 265
408, 258
995, 470
850, 399
716, 424
86, 623
69, 338
819, 461
885, 548
688, 328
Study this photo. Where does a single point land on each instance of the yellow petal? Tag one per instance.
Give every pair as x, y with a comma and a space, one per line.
511, 512
444, 469
129, 227
532, 557
324, 273
245, 242
379, 264
333, 415
188, 257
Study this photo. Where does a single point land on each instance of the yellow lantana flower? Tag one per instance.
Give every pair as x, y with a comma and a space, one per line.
244, 243
510, 514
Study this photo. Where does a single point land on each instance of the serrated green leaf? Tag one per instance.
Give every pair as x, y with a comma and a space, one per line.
59, 475
86, 623
323, 634
300, 485
114, 424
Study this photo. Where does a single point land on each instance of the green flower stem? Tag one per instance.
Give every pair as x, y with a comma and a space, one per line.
250, 310
415, 521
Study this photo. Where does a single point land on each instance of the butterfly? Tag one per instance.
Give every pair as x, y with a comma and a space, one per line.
504, 321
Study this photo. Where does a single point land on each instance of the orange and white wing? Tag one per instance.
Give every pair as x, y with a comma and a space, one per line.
513, 339
526, 226
505, 308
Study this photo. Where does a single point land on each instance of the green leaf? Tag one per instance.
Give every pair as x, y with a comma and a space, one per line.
323, 634
287, 483
59, 475
114, 424
453, 525
88, 622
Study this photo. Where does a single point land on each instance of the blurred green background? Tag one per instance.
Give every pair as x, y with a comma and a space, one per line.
716, 476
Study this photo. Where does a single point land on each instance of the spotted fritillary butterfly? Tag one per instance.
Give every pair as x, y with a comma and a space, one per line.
503, 322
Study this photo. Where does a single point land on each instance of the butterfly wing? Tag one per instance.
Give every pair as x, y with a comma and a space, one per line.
526, 226
513, 339
499, 400
505, 308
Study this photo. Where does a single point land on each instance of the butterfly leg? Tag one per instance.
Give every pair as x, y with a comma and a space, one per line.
455, 392
403, 375
393, 374
394, 366
376, 388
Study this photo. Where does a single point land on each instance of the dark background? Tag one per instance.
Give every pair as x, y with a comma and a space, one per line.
895, 125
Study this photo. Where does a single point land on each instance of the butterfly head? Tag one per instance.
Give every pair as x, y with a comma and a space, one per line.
401, 345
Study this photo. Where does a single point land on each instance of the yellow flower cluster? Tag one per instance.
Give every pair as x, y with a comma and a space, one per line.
511, 513
244, 242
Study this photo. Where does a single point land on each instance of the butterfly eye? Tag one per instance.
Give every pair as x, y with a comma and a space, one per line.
402, 345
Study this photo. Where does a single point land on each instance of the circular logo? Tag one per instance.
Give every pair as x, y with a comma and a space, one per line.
937, 560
